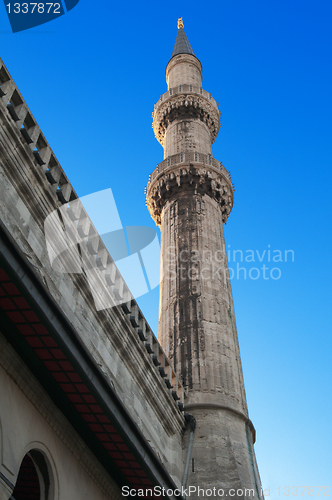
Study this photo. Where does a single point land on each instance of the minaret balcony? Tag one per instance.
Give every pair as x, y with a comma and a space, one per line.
191, 172
185, 89
185, 102
188, 158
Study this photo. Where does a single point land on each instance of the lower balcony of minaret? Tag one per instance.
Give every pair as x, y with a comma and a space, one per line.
191, 171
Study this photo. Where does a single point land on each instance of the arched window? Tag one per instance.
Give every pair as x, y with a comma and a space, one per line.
33, 481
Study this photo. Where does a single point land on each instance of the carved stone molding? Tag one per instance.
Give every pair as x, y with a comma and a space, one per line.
185, 106
200, 179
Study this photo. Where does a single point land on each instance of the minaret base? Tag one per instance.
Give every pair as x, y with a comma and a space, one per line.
222, 458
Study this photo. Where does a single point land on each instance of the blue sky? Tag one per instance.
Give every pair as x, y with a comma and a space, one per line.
91, 79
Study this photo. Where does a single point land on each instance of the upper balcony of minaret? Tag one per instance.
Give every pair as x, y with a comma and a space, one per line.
186, 102
186, 118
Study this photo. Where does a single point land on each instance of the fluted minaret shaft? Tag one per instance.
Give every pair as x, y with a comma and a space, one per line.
190, 195
186, 132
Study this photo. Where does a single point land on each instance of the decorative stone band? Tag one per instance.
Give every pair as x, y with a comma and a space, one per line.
189, 105
198, 178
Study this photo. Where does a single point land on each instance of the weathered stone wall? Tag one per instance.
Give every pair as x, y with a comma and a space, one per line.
31, 184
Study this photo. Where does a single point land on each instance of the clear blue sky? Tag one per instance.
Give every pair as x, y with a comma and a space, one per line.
91, 79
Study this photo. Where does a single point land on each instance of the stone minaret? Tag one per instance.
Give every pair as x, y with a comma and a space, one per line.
190, 196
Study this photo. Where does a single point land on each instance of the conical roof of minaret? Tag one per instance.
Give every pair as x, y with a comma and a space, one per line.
182, 45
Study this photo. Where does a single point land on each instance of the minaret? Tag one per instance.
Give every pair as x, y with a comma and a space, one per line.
190, 196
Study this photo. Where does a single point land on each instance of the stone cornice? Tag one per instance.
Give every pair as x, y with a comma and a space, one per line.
185, 106
16, 112
198, 178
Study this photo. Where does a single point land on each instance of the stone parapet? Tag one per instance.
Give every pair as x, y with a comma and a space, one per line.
44, 158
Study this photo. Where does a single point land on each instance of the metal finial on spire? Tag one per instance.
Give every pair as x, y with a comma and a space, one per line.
180, 23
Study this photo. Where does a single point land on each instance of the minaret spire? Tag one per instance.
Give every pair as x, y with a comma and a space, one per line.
190, 196
182, 45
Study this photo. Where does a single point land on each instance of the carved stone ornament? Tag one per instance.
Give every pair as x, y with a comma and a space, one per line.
200, 179
185, 106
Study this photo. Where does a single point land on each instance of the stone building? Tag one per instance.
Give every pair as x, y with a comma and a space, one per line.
92, 405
